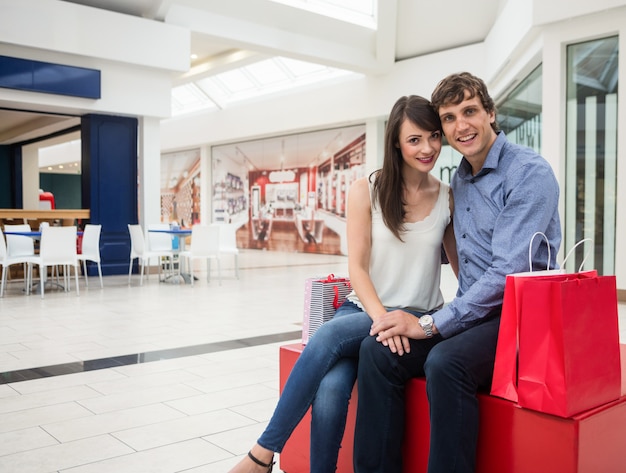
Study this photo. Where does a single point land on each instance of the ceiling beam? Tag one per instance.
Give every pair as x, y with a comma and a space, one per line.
274, 29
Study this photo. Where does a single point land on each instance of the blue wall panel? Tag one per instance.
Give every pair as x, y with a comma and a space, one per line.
38, 76
109, 184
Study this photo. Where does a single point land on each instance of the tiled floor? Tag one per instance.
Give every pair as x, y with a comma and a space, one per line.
166, 377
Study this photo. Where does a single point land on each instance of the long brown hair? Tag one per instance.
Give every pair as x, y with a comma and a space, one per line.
388, 184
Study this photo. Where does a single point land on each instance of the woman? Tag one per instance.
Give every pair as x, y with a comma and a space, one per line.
397, 220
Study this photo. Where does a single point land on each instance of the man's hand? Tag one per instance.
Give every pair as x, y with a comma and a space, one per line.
394, 330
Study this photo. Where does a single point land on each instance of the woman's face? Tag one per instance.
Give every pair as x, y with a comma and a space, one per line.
419, 148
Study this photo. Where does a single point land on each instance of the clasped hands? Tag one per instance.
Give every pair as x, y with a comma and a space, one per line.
395, 328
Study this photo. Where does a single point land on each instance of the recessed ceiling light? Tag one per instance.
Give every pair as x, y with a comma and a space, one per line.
194, 56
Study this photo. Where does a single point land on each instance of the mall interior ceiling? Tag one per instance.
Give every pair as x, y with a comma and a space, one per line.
406, 28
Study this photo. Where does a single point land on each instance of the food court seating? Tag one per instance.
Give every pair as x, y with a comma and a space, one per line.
140, 251
205, 244
90, 250
7, 260
58, 248
228, 242
18, 245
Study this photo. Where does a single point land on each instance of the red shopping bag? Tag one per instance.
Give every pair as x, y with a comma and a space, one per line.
322, 298
504, 381
569, 354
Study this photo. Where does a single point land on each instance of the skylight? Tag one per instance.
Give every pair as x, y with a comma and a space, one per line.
189, 98
273, 75
253, 80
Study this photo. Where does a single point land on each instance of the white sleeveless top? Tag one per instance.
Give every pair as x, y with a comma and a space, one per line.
407, 274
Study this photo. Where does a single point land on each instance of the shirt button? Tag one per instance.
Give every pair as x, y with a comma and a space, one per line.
465, 261
464, 235
472, 181
468, 209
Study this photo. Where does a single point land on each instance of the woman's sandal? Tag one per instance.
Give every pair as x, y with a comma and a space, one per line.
269, 465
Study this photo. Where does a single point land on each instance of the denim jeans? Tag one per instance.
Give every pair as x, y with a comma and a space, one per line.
322, 378
455, 369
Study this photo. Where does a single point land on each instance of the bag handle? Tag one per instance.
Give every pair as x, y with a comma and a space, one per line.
585, 255
530, 250
530, 247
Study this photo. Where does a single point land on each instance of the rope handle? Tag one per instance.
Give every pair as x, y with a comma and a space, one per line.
530, 250
530, 247
585, 255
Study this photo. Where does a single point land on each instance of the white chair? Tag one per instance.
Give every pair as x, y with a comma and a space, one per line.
6, 261
18, 245
91, 250
58, 248
205, 244
161, 242
228, 242
139, 250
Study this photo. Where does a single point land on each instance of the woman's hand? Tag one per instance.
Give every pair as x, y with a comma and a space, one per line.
394, 329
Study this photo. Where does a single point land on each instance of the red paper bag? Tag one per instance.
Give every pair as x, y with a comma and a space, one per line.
504, 382
322, 298
569, 354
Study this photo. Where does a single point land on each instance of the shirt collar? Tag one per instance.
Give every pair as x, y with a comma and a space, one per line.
491, 162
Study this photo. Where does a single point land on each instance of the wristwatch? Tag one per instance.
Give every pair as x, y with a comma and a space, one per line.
426, 322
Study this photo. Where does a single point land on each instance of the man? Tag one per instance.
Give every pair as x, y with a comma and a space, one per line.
503, 194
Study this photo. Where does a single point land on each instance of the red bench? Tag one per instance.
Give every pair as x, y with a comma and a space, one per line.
511, 439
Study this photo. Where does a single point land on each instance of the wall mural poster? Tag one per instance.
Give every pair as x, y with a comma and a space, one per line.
289, 193
180, 188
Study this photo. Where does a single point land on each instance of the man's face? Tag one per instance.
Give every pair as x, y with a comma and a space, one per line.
467, 127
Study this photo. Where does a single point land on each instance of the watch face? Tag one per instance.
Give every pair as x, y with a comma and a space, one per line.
426, 320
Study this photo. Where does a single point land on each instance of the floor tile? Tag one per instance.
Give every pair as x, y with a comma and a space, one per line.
178, 457
97, 424
65, 455
184, 428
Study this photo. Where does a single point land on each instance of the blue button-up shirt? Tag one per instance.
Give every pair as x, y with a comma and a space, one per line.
496, 212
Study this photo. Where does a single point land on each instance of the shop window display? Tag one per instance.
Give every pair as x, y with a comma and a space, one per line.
180, 188
294, 188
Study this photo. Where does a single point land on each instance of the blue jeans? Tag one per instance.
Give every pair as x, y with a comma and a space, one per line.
323, 377
455, 369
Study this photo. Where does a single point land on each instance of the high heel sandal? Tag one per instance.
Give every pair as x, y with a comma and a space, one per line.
269, 466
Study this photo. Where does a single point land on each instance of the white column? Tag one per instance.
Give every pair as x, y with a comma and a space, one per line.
149, 171
374, 144
30, 176
620, 224
206, 186
610, 184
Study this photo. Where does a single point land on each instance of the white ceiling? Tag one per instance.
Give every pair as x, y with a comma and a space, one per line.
229, 34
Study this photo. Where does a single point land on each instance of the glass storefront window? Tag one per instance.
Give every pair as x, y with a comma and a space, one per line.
591, 152
519, 113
